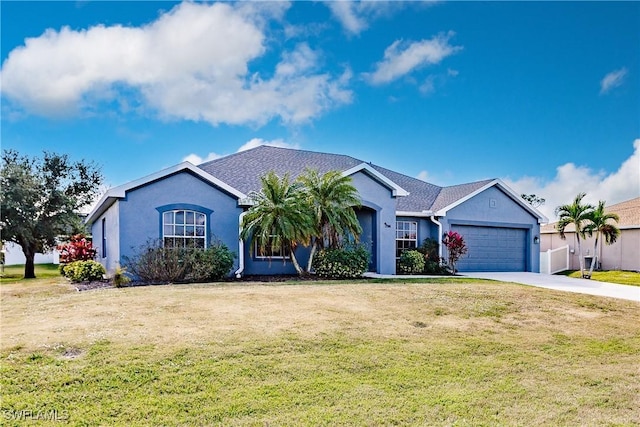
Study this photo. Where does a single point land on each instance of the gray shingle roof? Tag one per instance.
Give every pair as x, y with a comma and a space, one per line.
243, 171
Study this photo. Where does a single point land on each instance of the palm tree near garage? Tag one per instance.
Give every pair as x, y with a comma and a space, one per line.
279, 217
600, 225
578, 214
331, 198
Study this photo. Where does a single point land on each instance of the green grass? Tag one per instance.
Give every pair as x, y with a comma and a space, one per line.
419, 353
612, 276
15, 273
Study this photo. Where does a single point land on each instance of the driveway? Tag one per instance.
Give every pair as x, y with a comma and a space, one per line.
563, 283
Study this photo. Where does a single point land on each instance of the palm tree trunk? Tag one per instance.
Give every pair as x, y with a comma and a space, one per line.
594, 260
314, 248
294, 260
580, 257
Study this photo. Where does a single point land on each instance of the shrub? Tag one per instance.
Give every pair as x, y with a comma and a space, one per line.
156, 264
341, 263
79, 248
80, 271
214, 263
120, 277
456, 247
411, 262
433, 264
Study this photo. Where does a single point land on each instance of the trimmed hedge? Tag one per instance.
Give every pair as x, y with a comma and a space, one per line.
81, 271
411, 262
341, 263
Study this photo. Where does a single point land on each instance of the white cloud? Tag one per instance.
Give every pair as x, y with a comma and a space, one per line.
401, 58
196, 160
192, 63
256, 142
423, 176
616, 187
252, 143
612, 80
356, 15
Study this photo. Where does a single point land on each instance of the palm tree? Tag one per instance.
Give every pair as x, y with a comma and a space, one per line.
279, 216
577, 214
331, 198
601, 227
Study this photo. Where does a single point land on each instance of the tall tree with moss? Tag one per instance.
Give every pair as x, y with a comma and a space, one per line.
331, 198
279, 217
577, 214
41, 198
601, 226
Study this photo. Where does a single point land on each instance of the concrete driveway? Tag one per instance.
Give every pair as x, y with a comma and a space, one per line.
563, 283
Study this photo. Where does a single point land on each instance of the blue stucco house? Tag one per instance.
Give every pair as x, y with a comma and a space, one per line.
205, 203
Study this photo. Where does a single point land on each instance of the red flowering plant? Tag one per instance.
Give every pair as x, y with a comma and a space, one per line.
456, 247
77, 249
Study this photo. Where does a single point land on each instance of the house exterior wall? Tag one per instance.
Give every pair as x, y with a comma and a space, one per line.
624, 254
375, 197
141, 217
494, 208
111, 236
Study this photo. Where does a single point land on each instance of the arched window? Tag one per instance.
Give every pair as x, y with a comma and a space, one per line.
183, 228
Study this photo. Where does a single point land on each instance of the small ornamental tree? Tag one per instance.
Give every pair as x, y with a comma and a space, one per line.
456, 247
77, 249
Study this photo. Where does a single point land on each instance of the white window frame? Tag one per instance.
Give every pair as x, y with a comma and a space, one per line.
184, 236
283, 252
404, 234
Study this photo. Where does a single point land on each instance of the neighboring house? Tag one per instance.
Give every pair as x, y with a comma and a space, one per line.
13, 255
624, 254
397, 213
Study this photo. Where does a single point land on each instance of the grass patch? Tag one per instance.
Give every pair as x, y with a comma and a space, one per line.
463, 353
611, 276
15, 273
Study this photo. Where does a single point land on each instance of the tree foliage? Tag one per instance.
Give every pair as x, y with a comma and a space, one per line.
456, 248
533, 200
600, 226
577, 214
279, 216
41, 197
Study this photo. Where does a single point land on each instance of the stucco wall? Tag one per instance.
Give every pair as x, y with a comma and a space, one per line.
374, 196
494, 208
140, 220
112, 226
624, 254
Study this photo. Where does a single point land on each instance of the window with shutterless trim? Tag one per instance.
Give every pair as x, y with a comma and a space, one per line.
406, 236
182, 228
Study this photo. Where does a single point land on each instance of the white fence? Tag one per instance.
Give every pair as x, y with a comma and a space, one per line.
554, 260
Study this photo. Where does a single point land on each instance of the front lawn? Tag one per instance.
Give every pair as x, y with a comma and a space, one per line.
479, 353
612, 276
15, 273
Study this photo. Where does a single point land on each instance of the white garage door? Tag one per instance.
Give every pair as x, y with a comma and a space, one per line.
493, 248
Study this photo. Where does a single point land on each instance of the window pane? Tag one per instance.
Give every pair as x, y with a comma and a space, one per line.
168, 230
199, 243
179, 217
200, 218
189, 230
190, 217
179, 230
200, 231
168, 217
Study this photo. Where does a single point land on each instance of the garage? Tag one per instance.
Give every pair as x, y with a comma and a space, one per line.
493, 248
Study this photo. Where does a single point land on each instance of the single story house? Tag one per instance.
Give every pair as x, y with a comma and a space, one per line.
624, 254
398, 212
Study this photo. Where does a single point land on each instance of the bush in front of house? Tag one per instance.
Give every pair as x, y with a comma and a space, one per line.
341, 263
433, 264
156, 264
411, 262
82, 271
214, 263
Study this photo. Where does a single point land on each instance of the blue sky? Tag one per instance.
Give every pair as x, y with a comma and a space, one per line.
544, 95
